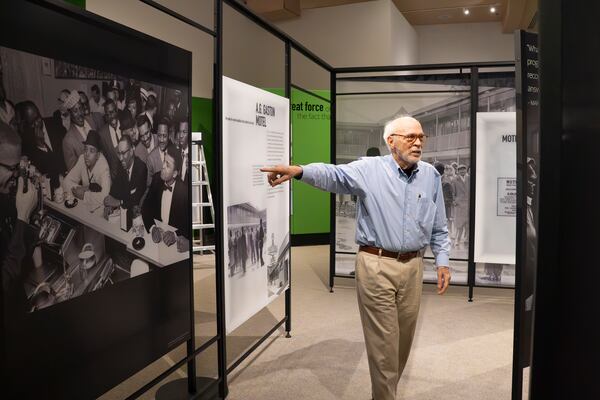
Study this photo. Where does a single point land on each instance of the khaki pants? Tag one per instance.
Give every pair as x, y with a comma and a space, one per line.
389, 296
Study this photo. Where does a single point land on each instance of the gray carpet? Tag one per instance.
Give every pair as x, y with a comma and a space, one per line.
461, 351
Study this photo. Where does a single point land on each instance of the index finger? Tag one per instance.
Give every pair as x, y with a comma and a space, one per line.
269, 169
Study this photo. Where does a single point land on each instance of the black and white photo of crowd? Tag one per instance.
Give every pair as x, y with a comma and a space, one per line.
78, 141
246, 232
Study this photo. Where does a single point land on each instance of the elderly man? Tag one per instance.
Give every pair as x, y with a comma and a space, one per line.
129, 185
400, 212
89, 179
80, 126
148, 140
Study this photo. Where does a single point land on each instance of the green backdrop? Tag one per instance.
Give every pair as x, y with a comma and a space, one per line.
310, 143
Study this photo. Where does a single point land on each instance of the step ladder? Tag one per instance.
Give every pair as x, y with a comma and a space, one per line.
201, 198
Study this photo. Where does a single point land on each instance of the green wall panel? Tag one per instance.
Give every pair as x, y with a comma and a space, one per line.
79, 3
202, 121
310, 143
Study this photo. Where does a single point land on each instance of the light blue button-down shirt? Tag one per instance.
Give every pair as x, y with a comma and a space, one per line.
396, 212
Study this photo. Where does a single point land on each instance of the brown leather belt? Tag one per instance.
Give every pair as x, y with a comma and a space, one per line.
404, 257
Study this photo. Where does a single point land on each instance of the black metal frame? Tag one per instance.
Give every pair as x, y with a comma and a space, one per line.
473, 73
217, 32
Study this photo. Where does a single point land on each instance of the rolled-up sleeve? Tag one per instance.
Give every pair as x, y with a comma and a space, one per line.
440, 242
342, 179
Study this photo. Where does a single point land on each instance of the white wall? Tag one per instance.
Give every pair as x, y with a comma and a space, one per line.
146, 19
448, 43
360, 34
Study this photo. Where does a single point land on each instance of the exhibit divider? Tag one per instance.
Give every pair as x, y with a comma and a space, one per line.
463, 81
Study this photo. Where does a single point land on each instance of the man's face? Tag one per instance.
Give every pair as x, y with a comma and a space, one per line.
145, 134
96, 95
132, 107
132, 133
168, 171
182, 135
33, 123
462, 171
85, 103
125, 154
110, 111
10, 156
163, 137
171, 110
403, 144
90, 155
77, 114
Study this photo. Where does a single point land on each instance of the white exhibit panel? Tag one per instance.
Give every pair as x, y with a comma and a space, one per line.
496, 188
256, 133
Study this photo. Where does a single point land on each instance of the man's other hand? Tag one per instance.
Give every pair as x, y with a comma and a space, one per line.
281, 173
443, 274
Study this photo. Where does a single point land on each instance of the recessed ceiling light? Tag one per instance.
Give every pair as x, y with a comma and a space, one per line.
466, 11
493, 10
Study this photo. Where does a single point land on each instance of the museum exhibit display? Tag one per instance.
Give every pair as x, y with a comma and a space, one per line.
256, 216
496, 188
96, 261
441, 98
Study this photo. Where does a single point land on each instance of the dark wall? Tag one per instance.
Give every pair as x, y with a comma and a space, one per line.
566, 330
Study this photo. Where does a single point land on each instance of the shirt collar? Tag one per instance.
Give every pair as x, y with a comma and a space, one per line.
395, 167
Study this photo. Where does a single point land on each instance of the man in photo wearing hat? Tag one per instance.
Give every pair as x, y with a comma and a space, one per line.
80, 126
110, 134
89, 179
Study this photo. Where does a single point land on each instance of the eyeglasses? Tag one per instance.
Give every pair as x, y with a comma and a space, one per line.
11, 168
412, 137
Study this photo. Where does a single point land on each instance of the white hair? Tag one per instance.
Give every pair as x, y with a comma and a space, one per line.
391, 126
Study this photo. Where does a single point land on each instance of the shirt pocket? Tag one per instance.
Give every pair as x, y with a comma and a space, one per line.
426, 210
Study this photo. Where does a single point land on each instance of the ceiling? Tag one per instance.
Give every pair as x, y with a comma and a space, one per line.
513, 14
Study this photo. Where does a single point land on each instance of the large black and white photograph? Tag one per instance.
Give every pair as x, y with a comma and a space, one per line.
92, 177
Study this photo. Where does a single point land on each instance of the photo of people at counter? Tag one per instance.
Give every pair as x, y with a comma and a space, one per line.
93, 185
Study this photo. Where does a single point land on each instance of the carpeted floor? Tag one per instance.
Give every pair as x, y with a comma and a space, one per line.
461, 350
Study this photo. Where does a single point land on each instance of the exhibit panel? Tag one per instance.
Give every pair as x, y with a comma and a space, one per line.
255, 216
96, 272
496, 188
496, 87
441, 102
